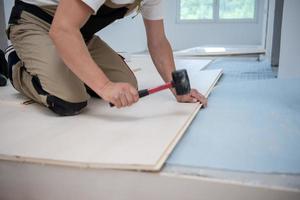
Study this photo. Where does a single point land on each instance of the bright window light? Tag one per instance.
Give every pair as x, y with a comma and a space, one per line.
237, 9
196, 9
217, 10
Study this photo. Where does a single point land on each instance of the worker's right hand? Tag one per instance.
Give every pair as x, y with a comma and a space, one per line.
119, 94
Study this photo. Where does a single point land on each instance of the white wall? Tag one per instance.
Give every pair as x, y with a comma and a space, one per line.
129, 35
185, 35
289, 65
126, 35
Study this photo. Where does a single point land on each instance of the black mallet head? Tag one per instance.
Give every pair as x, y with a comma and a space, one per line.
181, 82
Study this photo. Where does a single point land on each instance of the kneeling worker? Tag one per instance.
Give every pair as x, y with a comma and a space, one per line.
58, 60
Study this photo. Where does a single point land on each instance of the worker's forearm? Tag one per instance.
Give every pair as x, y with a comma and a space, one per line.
162, 56
75, 55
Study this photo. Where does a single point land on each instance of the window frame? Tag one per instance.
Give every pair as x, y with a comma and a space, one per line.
216, 17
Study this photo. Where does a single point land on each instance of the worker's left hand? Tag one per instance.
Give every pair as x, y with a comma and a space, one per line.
193, 97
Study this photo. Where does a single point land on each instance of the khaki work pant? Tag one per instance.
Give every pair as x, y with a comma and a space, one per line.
42, 76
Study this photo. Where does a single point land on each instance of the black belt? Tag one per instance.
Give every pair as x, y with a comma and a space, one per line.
103, 17
33, 9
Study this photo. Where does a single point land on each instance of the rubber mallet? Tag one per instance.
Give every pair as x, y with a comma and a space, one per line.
180, 82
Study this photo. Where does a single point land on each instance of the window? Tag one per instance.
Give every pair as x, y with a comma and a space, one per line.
217, 10
237, 9
196, 9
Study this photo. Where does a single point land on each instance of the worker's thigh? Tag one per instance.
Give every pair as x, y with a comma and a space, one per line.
110, 62
41, 74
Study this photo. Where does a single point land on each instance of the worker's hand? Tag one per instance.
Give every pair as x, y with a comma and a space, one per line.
120, 94
193, 97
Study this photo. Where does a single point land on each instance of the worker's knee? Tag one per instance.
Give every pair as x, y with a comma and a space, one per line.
64, 108
62, 102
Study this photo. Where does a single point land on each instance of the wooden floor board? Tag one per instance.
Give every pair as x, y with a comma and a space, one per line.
139, 137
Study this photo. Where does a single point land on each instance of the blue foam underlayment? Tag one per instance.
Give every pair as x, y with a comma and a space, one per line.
249, 126
242, 69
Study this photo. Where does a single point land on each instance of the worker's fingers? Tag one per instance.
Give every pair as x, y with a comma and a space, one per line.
129, 98
120, 94
198, 97
135, 94
117, 101
203, 100
192, 97
124, 100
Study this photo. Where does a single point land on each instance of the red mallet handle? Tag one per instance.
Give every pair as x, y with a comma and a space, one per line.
159, 88
146, 92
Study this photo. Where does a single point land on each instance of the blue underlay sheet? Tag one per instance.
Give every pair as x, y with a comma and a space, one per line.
242, 70
251, 126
